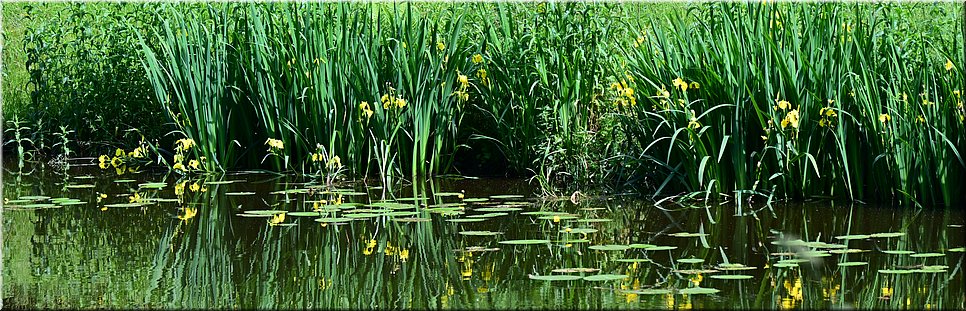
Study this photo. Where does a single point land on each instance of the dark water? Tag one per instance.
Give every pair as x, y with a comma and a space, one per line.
193, 250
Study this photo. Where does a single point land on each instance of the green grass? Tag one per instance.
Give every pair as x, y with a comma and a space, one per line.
550, 94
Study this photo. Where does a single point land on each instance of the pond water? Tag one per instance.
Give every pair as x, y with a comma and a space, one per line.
93, 239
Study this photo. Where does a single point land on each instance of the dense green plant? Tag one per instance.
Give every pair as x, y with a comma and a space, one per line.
824, 93
378, 88
84, 72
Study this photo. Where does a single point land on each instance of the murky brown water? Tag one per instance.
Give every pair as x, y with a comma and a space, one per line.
195, 243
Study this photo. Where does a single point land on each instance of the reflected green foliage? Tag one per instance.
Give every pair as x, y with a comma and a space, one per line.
186, 245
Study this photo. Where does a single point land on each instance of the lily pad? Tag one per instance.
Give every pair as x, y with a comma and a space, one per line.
411, 219
734, 267
661, 248
402, 213
80, 186
609, 247
487, 215
39, 205
575, 270
579, 230
847, 251
124, 181
898, 252
888, 235
333, 219
290, 191
957, 250
447, 194
895, 271
605, 277
690, 260
361, 215
555, 277
852, 263
466, 219
785, 265
475, 200
925, 255
67, 203
153, 185
239, 193
524, 242
687, 235
480, 233
543, 213
34, 197
853, 237
632, 260
731, 276
125, 205
506, 196
265, 212
698, 291
649, 291
304, 214
590, 220
558, 217
813, 254
695, 271
498, 209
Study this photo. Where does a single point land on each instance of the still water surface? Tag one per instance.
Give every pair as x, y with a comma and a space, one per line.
219, 242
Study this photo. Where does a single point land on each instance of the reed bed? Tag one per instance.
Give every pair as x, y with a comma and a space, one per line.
724, 101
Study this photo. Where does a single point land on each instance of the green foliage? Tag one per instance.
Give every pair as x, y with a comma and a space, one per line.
713, 99
830, 90
84, 72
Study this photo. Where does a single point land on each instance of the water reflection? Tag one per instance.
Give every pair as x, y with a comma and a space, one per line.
191, 244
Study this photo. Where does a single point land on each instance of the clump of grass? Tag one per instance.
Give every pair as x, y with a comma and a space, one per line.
377, 89
827, 106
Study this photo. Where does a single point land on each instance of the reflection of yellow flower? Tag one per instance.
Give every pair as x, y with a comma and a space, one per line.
477, 58
887, 291
179, 188
277, 219
179, 166
188, 213
194, 187
694, 85
193, 164
137, 153
134, 198
115, 162
103, 159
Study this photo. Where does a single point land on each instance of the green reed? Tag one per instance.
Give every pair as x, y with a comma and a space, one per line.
808, 109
